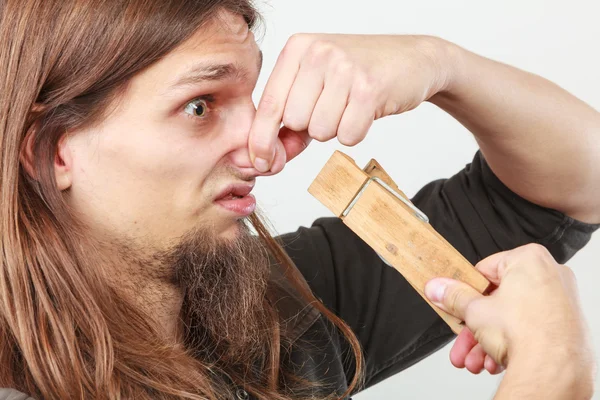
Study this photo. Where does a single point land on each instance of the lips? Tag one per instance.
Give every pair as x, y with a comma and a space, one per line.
236, 198
234, 191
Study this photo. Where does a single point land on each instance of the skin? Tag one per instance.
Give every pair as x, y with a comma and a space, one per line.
533, 318
328, 86
167, 163
149, 172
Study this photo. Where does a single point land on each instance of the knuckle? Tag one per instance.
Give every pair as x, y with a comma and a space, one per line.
348, 139
294, 42
299, 39
536, 249
363, 89
533, 247
539, 252
343, 68
295, 39
370, 80
319, 132
350, 133
320, 51
294, 122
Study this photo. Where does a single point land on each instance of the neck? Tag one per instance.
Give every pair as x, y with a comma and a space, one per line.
161, 301
217, 288
147, 284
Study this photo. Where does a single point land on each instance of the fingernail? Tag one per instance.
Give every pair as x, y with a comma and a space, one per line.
261, 164
434, 290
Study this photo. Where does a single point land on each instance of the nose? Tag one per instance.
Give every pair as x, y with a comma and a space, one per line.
239, 155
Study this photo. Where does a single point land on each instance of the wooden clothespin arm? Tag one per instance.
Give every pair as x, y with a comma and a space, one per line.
370, 203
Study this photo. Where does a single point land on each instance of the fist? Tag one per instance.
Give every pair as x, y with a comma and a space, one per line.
326, 86
533, 314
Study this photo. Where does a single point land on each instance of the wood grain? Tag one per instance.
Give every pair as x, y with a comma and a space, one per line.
390, 227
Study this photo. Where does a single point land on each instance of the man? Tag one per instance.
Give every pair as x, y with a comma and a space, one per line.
130, 146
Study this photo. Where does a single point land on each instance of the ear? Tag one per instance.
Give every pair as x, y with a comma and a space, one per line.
63, 161
63, 164
26, 156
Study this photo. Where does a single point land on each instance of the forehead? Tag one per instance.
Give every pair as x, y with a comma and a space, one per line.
225, 31
225, 39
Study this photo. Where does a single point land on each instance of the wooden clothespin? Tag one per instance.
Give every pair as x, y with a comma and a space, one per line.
370, 203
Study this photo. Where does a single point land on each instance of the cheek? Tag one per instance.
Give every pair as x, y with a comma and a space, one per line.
141, 177
123, 159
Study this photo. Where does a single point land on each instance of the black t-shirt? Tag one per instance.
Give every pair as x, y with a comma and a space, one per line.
474, 211
396, 328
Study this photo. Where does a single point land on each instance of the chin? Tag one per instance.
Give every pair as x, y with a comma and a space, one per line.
233, 231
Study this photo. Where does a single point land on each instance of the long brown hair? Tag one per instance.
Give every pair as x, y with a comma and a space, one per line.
64, 333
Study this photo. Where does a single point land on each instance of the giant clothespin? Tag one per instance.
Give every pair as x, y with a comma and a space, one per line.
370, 203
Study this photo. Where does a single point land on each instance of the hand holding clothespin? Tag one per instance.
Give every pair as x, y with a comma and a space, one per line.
370, 203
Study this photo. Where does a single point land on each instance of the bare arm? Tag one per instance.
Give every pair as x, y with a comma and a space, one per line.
532, 324
540, 140
544, 378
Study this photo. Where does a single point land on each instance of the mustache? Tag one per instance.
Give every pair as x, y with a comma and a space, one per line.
247, 175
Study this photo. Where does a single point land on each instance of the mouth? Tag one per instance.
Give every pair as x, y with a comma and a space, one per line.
236, 198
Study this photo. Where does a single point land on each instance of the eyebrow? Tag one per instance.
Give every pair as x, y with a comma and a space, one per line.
211, 72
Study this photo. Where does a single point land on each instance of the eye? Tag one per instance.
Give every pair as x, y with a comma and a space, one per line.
197, 107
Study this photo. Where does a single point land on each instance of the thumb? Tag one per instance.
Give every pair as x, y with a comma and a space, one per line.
451, 295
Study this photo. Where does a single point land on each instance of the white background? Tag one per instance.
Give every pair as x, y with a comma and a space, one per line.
555, 39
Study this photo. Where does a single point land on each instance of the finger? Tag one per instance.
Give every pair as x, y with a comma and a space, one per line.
293, 142
330, 107
269, 114
496, 266
491, 366
451, 295
303, 97
490, 266
358, 116
475, 359
463, 344
279, 160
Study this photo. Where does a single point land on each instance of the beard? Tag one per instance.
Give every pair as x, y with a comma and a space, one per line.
224, 285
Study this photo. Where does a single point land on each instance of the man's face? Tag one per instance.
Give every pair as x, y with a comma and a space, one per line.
176, 142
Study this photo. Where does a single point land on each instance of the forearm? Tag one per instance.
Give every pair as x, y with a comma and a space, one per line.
541, 141
543, 378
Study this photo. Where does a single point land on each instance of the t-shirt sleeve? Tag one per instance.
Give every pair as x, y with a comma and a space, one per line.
474, 211
479, 215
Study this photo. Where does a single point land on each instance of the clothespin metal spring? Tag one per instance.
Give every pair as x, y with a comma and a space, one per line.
418, 213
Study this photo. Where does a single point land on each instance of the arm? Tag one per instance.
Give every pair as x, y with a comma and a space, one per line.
544, 380
474, 211
541, 141
367, 77
532, 324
